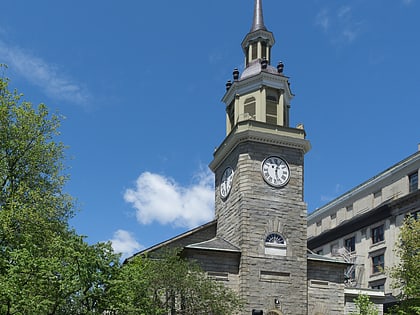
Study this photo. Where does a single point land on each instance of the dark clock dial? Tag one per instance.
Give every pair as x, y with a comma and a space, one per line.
226, 182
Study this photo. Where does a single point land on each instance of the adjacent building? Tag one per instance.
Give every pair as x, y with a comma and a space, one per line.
362, 225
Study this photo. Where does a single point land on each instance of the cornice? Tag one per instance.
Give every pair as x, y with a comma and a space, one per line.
264, 34
385, 210
255, 131
256, 82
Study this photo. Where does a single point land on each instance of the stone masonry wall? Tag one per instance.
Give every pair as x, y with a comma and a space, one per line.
252, 211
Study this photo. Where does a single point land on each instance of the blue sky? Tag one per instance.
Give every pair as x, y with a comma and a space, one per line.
140, 84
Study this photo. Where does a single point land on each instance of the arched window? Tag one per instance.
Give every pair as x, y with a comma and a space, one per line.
275, 238
275, 244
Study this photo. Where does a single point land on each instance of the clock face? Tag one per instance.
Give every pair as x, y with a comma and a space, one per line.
275, 171
226, 182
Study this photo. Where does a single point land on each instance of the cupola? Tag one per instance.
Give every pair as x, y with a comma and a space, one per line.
261, 92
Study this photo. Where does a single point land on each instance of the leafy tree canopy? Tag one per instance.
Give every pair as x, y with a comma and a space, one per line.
170, 284
45, 267
365, 306
406, 274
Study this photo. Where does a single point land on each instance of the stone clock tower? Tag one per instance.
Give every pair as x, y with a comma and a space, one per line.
257, 243
259, 181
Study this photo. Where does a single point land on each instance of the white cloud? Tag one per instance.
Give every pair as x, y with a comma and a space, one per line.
46, 76
323, 19
124, 242
161, 199
344, 12
340, 25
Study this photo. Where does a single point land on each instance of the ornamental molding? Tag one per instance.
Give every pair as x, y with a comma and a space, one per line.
254, 131
256, 82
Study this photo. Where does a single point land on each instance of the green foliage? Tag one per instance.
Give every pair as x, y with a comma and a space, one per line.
169, 284
365, 306
406, 274
45, 268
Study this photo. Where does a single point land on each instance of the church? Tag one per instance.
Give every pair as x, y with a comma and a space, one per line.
257, 243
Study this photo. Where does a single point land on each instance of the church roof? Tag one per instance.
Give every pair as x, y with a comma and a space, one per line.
255, 68
181, 240
217, 244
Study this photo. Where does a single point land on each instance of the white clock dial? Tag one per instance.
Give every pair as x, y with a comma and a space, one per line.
275, 171
226, 182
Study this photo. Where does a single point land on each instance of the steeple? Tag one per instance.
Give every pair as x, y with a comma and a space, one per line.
258, 42
261, 92
258, 23
259, 182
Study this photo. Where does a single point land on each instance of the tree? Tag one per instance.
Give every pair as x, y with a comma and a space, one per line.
169, 284
406, 274
365, 306
45, 267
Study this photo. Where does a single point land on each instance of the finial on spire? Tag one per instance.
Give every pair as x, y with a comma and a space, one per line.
258, 23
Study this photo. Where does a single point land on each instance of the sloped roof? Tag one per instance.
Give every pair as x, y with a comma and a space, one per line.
217, 244
316, 257
177, 239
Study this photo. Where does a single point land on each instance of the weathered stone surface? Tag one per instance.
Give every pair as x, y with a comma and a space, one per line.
253, 210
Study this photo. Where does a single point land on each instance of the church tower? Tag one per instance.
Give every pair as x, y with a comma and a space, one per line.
259, 181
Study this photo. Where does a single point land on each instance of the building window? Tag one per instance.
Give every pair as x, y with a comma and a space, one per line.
377, 234
349, 208
378, 264
333, 216
318, 223
275, 244
350, 244
263, 50
275, 238
231, 113
334, 249
254, 51
413, 180
271, 110
249, 108
379, 287
320, 252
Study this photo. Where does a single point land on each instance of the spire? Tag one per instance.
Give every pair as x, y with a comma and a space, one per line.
258, 42
258, 23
